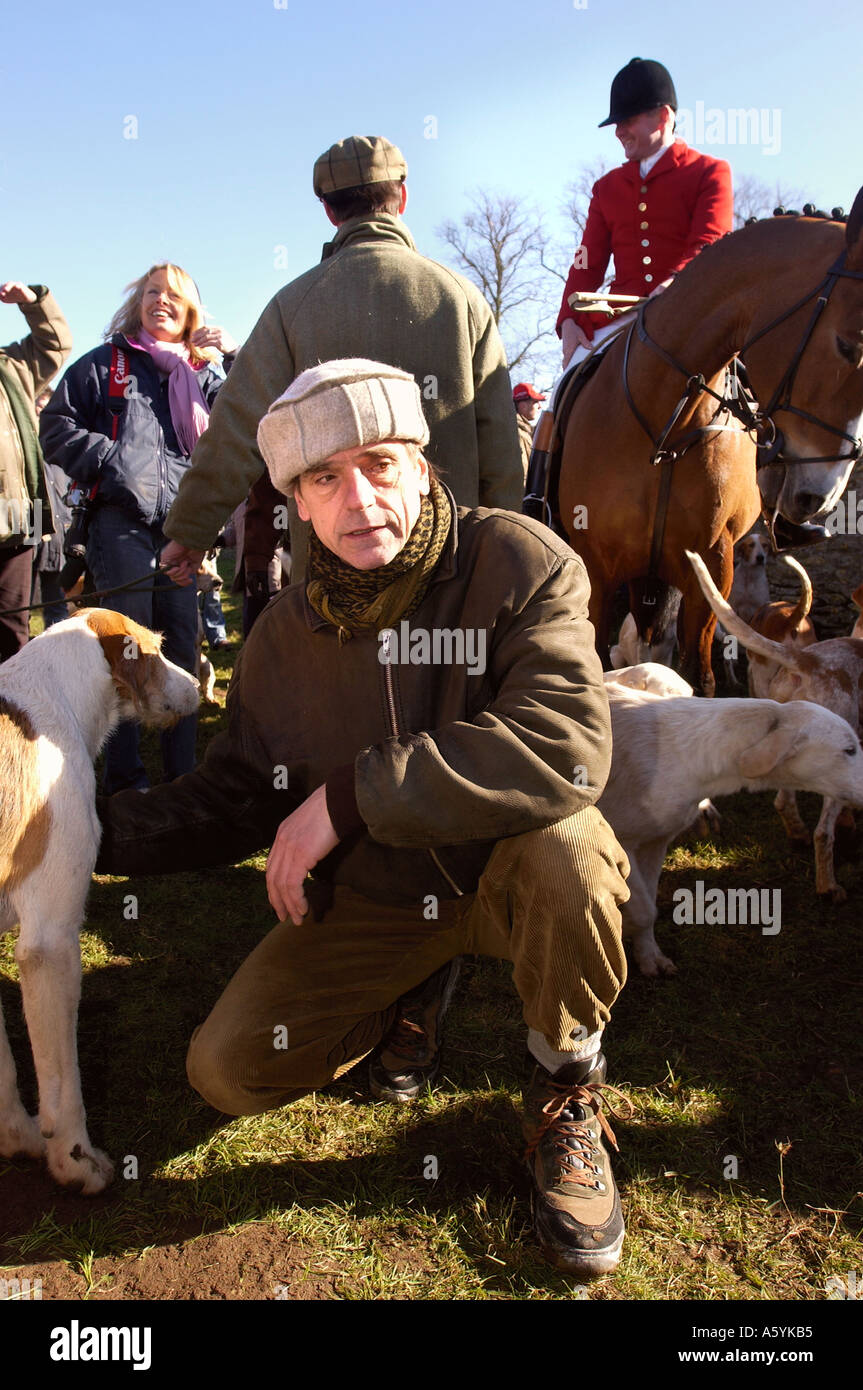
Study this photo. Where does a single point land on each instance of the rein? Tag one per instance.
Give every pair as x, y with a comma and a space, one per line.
786, 383
695, 386
769, 439
736, 405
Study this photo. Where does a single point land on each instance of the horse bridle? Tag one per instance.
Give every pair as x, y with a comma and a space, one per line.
769, 440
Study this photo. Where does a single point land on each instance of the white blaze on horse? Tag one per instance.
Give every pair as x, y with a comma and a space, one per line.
787, 295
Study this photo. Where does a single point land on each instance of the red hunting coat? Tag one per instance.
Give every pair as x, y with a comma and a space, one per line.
652, 226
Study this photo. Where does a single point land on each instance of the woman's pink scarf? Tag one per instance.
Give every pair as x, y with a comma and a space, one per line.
190, 413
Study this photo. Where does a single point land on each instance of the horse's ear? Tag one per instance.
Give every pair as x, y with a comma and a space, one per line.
854, 229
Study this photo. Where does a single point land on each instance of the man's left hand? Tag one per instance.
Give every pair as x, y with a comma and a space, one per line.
302, 841
13, 292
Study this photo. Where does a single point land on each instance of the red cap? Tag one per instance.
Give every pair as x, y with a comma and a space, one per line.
525, 392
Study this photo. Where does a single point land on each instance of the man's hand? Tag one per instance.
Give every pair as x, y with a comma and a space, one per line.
181, 563
301, 842
214, 337
572, 337
13, 292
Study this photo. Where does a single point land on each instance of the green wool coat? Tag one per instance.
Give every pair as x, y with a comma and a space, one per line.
372, 295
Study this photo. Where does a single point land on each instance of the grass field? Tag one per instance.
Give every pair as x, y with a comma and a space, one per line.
739, 1169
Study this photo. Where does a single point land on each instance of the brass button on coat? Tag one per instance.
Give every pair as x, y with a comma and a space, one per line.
645, 260
642, 207
648, 279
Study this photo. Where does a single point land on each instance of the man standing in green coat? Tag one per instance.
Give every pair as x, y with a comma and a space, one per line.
25, 509
374, 296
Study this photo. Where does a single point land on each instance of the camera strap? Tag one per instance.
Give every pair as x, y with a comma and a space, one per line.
118, 380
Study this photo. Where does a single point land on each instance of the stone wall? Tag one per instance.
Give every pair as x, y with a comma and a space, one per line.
835, 568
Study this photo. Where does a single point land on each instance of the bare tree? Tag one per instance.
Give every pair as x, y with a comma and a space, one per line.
557, 257
579, 190
499, 244
754, 198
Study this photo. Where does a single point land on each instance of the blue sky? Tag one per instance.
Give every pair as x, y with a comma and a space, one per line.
232, 100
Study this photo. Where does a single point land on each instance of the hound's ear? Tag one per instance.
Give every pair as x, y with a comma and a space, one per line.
784, 685
129, 650
106, 622
773, 748
854, 234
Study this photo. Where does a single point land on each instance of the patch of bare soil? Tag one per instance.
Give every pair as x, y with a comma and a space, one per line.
256, 1262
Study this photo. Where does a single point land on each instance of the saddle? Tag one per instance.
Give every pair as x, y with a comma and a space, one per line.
543, 472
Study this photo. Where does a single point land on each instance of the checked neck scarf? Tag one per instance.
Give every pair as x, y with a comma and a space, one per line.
356, 601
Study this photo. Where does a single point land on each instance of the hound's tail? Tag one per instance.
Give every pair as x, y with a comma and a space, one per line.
804, 603
752, 641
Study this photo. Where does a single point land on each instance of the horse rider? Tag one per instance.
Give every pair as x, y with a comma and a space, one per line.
653, 213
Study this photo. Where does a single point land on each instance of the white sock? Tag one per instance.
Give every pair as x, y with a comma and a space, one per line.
553, 1061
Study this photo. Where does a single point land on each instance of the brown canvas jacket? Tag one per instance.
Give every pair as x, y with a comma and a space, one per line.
445, 762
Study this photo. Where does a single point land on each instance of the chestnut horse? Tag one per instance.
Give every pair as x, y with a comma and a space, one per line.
782, 294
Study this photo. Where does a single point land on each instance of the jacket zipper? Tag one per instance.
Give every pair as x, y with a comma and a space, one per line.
161, 508
391, 705
163, 474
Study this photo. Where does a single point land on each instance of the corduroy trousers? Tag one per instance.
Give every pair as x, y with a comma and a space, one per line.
311, 1001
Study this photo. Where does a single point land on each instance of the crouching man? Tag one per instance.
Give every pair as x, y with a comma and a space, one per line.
420, 731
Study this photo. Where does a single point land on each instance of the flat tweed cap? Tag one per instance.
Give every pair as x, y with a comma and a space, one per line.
359, 160
338, 405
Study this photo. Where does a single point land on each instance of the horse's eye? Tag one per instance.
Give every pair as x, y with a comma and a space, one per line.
852, 352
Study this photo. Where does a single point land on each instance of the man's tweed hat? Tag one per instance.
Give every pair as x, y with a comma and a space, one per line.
338, 405
359, 160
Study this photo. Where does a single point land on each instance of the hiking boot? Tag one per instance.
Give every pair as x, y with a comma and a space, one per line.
408, 1059
576, 1207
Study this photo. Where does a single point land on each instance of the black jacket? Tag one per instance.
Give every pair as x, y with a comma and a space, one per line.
140, 471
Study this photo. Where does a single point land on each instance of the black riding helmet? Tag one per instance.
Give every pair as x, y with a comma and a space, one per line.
642, 85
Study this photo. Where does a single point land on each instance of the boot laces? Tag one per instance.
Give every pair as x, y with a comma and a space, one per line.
576, 1146
408, 1038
